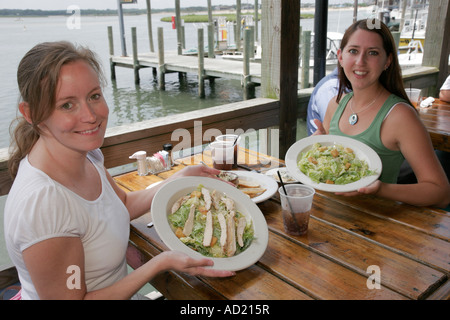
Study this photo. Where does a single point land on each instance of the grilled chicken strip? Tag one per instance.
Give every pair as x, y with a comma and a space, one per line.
215, 199
207, 237
231, 236
187, 230
229, 203
223, 230
207, 198
240, 230
179, 203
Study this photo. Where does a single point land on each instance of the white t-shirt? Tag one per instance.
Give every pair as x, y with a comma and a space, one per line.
39, 208
446, 85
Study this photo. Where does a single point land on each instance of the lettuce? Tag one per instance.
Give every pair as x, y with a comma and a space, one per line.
333, 164
195, 239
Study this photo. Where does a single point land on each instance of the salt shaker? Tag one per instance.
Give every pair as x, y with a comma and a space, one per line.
141, 157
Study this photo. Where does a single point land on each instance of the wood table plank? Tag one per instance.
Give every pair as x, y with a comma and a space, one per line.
357, 254
253, 281
409, 242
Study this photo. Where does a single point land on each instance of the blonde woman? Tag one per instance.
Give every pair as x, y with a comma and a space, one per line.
64, 212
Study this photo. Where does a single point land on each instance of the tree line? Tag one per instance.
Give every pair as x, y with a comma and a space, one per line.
106, 12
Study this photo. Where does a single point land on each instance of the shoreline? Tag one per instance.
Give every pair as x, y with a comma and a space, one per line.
168, 11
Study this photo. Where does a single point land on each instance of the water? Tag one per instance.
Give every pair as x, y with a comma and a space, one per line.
128, 103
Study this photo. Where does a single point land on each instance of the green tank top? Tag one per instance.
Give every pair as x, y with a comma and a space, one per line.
391, 160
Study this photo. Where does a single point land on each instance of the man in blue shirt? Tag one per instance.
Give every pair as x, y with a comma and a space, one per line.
325, 90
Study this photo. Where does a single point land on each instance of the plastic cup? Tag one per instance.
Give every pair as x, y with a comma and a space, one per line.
222, 153
413, 95
231, 138
296, 207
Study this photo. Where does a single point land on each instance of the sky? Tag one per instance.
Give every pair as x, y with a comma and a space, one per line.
112, 4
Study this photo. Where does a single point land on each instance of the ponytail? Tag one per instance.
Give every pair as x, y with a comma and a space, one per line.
24, 136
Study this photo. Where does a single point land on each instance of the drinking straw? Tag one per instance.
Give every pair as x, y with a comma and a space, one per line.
234, 143
287, 199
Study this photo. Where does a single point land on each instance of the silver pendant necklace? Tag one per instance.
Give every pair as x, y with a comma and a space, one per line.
353, 119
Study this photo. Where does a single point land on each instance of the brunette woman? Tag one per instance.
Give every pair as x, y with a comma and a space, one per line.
378, 113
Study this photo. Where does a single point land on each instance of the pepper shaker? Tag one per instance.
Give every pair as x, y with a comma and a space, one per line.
168, 147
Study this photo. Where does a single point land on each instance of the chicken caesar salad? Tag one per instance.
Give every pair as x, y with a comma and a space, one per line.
333, 164
208, 222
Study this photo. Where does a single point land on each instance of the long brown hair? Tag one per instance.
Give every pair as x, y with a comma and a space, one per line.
37, 78
391, 78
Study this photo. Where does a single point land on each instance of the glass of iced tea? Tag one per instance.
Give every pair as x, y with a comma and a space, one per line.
222, 153
231, 138
296, 206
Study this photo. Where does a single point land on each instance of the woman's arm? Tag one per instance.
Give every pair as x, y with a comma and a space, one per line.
56, 267
139, 202
404, 131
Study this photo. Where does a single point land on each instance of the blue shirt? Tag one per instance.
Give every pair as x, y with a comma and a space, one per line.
325, 90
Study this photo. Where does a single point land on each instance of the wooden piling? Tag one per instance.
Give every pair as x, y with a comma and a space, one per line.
178, 26
111, 53
161, 63
135, 55
211, 41
251, 42
237, 35
201, 64
306, 52
248, 86
149, 25
255, 19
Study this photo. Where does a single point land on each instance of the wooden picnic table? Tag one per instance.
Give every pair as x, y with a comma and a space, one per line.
351, 243
436, 119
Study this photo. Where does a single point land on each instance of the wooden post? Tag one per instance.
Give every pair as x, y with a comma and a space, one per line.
178, 26
122, 28
280, 39
306, 53
436, 46
255, 18
149, 25
246, 57
251, 41
111, 53
290, 25
320, 39
210, 32
135, 55
355, 11
161, 68
237, 36
183, 37
211, 41
270, 45
201, 59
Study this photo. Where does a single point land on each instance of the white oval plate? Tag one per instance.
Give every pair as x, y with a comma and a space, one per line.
265, 182
272, 173
172, 191
362, 152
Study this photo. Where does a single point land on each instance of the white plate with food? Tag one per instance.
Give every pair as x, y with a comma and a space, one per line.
257, 186
285, 175
333, 163
187, 220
